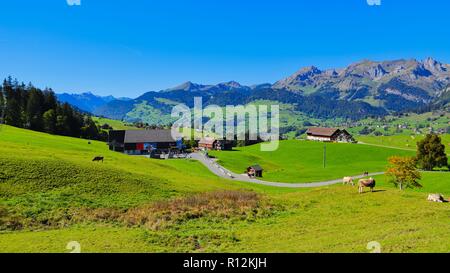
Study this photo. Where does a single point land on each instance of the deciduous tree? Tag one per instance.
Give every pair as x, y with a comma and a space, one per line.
403, 172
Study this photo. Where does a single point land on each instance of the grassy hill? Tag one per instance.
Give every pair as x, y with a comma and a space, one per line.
115, 124
43, 175
302, 161
408, 124
432, 182
400, 141
51, 193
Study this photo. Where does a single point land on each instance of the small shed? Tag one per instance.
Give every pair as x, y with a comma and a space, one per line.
255, 171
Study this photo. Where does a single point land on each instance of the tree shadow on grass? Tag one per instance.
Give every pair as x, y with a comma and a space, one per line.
375, 191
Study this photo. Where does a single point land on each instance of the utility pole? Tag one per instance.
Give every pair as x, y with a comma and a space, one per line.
324, 155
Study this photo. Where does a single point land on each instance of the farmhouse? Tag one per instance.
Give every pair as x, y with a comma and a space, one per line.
329, 135
209, 143
144, 142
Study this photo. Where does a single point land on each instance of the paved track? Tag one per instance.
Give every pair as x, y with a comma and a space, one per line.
220, 171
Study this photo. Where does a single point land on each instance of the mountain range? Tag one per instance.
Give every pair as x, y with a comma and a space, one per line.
87, 101
366, 88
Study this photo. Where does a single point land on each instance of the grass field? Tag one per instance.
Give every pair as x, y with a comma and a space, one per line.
400, 141
115, 124
51, 193
408, 124
302, 161
432, 182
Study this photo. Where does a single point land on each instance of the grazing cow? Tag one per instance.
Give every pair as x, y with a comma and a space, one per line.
366, 183
365, 174
98, 159
436, 198
348, 180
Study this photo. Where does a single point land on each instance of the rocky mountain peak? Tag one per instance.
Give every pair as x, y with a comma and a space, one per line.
332, 73
303, 77
186, 86
231, 84
365, 77
434, 66
309, 70
377, 72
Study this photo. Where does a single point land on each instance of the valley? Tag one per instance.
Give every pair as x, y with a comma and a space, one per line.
51, 193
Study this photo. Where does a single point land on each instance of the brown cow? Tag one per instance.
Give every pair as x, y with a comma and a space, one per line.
348, 180
366, 183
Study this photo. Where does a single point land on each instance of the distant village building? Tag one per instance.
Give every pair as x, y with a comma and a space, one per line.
209, 143
329, 135
144, 142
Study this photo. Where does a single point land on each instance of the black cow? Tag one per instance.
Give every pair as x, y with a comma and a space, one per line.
98, 159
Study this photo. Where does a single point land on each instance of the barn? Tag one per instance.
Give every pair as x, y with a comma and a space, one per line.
144, 142
329, 135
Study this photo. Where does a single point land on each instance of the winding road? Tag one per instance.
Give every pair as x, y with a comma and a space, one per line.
220, 171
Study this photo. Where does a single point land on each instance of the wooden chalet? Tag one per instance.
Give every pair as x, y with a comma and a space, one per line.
329, 135
209, 143
144, 142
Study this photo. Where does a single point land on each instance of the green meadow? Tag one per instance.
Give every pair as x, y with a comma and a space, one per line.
407, 142
303, 161
51, 193
115, 124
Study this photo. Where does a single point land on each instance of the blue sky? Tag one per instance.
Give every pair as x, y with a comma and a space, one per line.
125, 48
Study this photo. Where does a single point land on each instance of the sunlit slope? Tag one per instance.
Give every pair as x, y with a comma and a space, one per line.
303, 161
37, 167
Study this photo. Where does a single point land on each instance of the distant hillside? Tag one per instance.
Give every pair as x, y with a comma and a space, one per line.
87, 101
361, 90
443, 101
155, 107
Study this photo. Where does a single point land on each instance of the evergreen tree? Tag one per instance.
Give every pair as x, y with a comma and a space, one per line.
31, 108
431, 153
2, 105
50, 101
90, 129
49, 121
33, 111
13, 112
61, 126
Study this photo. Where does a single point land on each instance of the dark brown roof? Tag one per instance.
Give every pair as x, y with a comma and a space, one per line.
256, 168
317, 131
148, 136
